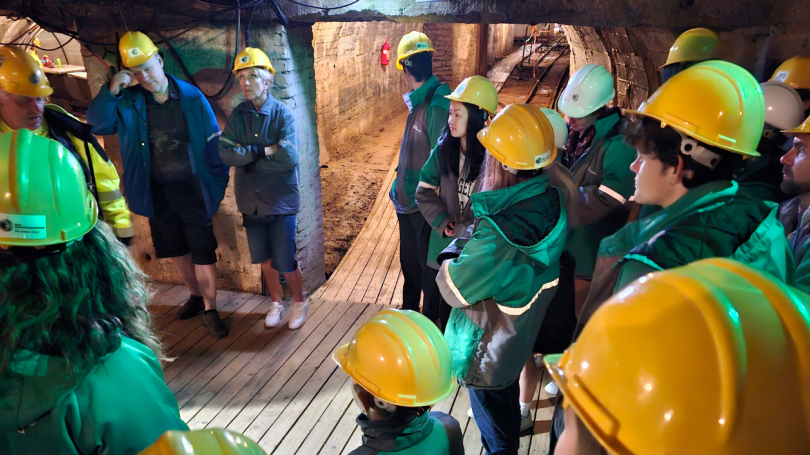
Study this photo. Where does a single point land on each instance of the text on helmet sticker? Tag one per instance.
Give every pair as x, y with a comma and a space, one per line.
22, 226
461, 87
540, 159
781, 76
421, 45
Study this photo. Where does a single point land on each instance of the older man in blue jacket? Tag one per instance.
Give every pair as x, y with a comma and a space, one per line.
172, 170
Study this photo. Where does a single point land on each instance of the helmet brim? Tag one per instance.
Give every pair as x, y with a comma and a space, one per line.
690, 133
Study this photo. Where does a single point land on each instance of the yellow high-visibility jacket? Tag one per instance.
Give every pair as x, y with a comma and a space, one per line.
103, 179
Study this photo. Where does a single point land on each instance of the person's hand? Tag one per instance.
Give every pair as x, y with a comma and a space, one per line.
270, 149
120, 81
450, 229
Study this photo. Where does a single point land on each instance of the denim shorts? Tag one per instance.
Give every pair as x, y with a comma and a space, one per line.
272, 237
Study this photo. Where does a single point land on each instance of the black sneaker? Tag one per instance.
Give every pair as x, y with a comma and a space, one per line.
193, 306
216, 327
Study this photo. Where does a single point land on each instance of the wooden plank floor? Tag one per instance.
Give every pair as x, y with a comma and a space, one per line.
370, 271
280, 387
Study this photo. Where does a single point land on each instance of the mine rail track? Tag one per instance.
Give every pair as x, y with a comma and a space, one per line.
539, 78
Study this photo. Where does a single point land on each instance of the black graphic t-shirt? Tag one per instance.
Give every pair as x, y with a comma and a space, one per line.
168, 139
465, 185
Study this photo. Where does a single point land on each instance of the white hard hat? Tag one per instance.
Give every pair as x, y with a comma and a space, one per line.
589, 89
558, 125
783, 105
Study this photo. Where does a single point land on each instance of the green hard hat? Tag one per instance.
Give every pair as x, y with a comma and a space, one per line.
43, 192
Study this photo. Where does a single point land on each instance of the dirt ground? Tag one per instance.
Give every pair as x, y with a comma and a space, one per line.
351, 181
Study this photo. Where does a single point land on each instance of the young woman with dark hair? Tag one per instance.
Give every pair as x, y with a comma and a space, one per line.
450, 176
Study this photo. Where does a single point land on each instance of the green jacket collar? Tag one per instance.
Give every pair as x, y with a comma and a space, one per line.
491, 202
704, 197
394, 435
418, 96
605, 124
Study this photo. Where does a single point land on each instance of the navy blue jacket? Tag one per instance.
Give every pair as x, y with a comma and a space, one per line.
125, 114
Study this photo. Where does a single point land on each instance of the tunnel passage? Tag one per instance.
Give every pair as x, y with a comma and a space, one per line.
757, 35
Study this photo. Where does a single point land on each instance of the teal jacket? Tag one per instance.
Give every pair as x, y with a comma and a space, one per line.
121, 408
434, 433
712, 220
503, 281
422, 130
605, 184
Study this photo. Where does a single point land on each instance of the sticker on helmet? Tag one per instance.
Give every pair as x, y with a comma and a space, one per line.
542, 159
22, 226
134, 52
421, 45
35, 77
781, 76
244, 59
461, 87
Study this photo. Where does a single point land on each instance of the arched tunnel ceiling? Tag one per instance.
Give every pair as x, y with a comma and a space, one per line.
103, 17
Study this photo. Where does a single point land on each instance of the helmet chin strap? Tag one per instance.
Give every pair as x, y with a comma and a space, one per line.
699, 153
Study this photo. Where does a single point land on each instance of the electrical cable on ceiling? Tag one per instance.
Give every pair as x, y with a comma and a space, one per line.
226, 87
279, 13
122, 15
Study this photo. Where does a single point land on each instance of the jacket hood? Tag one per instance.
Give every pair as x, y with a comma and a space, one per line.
520, 216
33, 385
394, 435
704, 197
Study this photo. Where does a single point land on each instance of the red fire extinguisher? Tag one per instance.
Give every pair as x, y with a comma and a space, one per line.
386, 51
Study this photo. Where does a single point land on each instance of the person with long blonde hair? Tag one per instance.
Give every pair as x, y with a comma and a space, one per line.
506, 272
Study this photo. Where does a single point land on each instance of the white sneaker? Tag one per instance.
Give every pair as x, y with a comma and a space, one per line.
274, 316
551, 388
470, 414
526, 423
299, 314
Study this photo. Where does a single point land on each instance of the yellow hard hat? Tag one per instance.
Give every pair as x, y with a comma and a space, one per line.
252, 57
803, 128
21, 74
136, 48
400, 357
677, 362
695, 45
476, 90
43, 192
203, 442
520, 137
715, 102
413, 43
794, 72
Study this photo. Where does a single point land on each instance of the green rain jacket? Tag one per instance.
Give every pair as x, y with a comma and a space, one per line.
605, 184
712, 220
501, 284
120, 408
433, 433
428, 116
